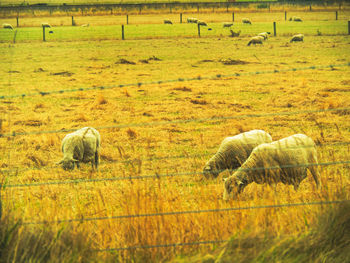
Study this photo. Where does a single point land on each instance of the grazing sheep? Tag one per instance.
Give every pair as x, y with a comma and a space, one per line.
264, 35
246, 21
201, 23
45, 25
227, 24
167, 21
233, 151
7, 26
82, 145
295, 19
235, 34
256, 40
285, 161
298, 37
192, 20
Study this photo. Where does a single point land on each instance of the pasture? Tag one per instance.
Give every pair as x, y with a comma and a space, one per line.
156, 138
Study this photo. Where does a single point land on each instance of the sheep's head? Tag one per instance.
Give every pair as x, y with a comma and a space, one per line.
67, 164
232, 187
210, 171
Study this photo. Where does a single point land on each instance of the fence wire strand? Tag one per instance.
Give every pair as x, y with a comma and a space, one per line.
159, 82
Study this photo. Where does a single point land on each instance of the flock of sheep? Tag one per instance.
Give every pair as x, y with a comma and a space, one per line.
254, 40
257, 157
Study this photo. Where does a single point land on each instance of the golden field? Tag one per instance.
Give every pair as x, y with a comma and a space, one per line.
167, 131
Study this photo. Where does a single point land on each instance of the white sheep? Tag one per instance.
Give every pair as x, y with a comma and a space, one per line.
233, 151
45, 25
7, 26
264, 35
82, 145
295, 19
192, 20
201, 23
256, 40
285, 161
167, 21
227, 24
298, 37
246, 21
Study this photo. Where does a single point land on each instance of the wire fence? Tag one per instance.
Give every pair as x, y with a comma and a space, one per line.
218, 210
158, 176
159, 82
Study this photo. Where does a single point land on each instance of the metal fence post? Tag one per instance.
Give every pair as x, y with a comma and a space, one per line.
199, 30
44, 33
123, 38
274, 28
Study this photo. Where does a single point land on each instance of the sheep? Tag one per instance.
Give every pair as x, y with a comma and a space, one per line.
227, 24
45, 25
233, 151
82, 145
235, 34
298, 37
7, 26
86, 25
285, 161
192, 20
256, 40
295, 19
246, 21
167, 21
201, 23
264, 35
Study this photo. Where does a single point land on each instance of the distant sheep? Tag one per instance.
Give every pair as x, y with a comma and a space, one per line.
285, 161
82, 145
295, 19
235, 34
233, 151
192, 20
256, 40
201, 23
298, 37
246, 21
85, 25
167, 21
45, 25
7, 26
264, 35
227, 24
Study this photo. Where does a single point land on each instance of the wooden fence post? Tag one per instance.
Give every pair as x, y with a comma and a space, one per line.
199, 30
73, 22
127, 19
274, 28
44, 34
233, 16
336, 15
180, 18
123, 38
285, 15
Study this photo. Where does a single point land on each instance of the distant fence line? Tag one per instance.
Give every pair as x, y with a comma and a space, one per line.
168, 7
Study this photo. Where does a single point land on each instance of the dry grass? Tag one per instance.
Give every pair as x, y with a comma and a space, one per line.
172, 148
